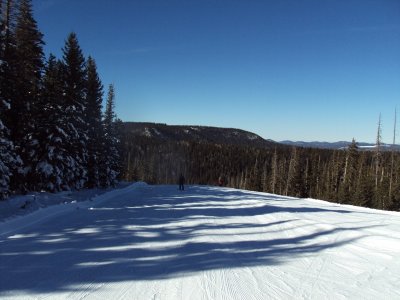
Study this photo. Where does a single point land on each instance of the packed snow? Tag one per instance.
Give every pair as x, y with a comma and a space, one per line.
155, 242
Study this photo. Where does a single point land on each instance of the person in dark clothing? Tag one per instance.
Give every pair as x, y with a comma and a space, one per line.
181, 183
221, 181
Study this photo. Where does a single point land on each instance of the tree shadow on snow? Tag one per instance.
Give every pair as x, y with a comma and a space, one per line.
156, 234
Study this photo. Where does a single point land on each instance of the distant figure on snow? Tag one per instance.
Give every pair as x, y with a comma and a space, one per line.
181, 182
221, 181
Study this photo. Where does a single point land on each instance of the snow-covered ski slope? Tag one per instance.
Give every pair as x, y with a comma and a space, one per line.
155, 242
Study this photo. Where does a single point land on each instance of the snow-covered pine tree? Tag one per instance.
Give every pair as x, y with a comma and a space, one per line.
9, 161
8, 55
29, 66
8, 158
74, 108
51, 170
94, 98
110, 154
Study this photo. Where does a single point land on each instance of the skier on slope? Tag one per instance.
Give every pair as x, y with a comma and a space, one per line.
221, 181
181, 182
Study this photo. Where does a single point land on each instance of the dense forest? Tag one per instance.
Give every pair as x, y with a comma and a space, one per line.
53, 133
352, 176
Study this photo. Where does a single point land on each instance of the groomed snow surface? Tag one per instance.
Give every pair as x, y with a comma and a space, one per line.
155, 242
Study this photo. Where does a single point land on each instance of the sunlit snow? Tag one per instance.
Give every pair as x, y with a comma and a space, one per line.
155, 242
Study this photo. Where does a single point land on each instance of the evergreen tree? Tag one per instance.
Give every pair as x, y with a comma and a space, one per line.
51, 169
365, 193
9, 161
120, 139
94, 99
29, 68
274, 175
8, 57
292, 172
254, 182
74, 107
349, 180
110, 156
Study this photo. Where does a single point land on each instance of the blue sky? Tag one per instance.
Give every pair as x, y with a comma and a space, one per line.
284, 69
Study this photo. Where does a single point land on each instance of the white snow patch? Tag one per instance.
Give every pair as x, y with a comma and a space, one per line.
156, 131
147, 132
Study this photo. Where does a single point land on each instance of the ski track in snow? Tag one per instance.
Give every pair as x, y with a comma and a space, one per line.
155, 242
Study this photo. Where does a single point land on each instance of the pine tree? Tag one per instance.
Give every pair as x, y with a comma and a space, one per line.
274, 175
292, 171
120, 139
110, 154
8, 57
51, 169
29, 68
9, 161
254, 182
349, 179
74, 106
94, 97
264, 178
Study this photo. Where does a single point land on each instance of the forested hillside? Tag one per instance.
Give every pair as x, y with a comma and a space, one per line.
199, 134
53, 134
365, 178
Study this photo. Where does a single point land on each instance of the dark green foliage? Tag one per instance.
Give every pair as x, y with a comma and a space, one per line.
110, 158
21, 69
348, 183
51, 168
95, 131
74, 104
8, 58
9, 160
29, 67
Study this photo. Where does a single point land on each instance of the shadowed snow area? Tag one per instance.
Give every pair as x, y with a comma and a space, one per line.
155, 242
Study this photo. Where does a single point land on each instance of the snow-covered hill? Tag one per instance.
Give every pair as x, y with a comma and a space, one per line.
155, 242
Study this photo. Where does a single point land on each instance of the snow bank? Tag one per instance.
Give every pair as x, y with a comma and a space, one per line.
42, 207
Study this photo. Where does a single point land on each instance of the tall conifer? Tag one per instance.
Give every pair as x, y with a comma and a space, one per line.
74, 107
110, 156
5, 143
29, 67
51, 170
94, 97
9, 161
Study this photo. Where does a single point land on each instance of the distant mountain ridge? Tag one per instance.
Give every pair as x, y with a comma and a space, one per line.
225, 136
206, 134
336, 145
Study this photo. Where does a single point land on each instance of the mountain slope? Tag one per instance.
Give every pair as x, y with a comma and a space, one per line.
155, 242
202, 134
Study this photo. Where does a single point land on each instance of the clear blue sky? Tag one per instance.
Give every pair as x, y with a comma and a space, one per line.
284, 69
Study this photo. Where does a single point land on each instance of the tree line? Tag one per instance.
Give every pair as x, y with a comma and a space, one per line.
351, 176
53, 133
